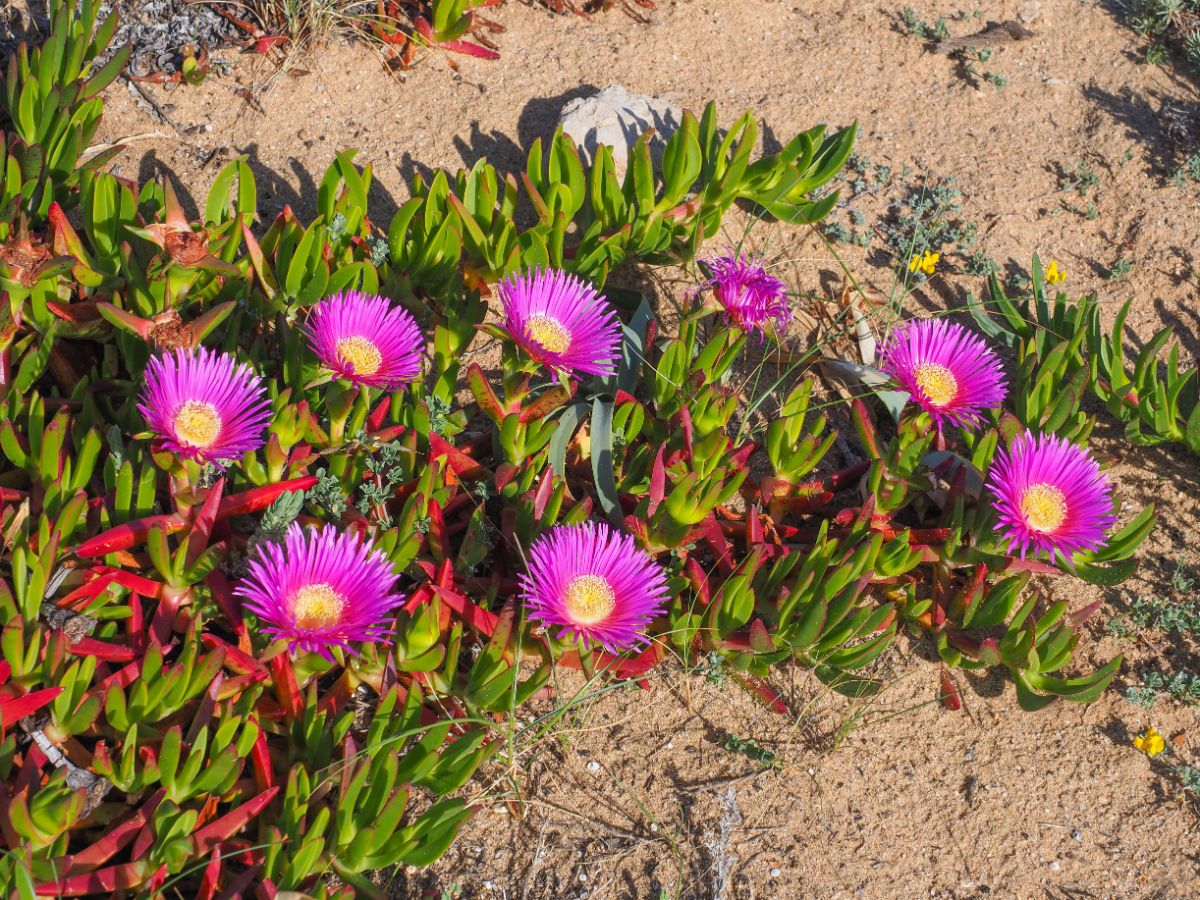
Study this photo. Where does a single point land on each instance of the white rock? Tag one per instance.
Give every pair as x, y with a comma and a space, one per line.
618, 118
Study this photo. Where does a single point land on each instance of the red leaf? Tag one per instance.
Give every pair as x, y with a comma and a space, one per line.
13, 709
103, 881
260, 757
542, 496
202, 522
461, 464
762, 691
658, 480
286, 689
475, 616
468, 49
260, 498
379, 415
117, 837
950, 697
212, 877
229, 824
126, 535
118, 653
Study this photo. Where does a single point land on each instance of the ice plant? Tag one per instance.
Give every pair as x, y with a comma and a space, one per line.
1054, 274
320, 589
561, 321
593, 583
950, 372
925, 263
752, 299
1150, 742
1050, 496
204, 405
366, 340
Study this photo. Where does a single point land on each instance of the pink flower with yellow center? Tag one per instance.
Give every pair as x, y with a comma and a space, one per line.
1050, 496
753, 299
366, 340
594, 584
950, 372
561, 321
204, 405
320, 589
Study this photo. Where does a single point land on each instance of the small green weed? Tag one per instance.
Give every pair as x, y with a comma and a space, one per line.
1121, 268
918, 28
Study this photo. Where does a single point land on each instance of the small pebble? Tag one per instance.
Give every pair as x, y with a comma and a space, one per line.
1078, 835
593, 766
775, 873
1054, 866
583, 876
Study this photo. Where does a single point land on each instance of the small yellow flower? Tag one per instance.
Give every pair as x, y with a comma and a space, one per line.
924, 262
1055, 275
1150, 742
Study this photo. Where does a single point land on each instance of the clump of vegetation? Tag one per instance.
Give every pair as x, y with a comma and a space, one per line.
1172, 28
928, 219
1063, 347
1173, 617
917, 27
281, 561
972, 62
399, 29
1183, 687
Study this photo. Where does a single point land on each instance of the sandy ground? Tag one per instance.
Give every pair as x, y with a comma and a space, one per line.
900, 798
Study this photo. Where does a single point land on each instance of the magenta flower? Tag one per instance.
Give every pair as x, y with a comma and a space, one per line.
752, 299
366, 340
1050, 496
951, 373
593, 583
320, 589
560, 321
204, 405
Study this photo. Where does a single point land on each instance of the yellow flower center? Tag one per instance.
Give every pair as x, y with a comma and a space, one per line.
590, 599
1044, 507
361, 354
937, 382
549, 333
197, 423
317, 606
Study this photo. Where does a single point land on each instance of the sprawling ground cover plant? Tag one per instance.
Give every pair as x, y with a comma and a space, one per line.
278, 557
